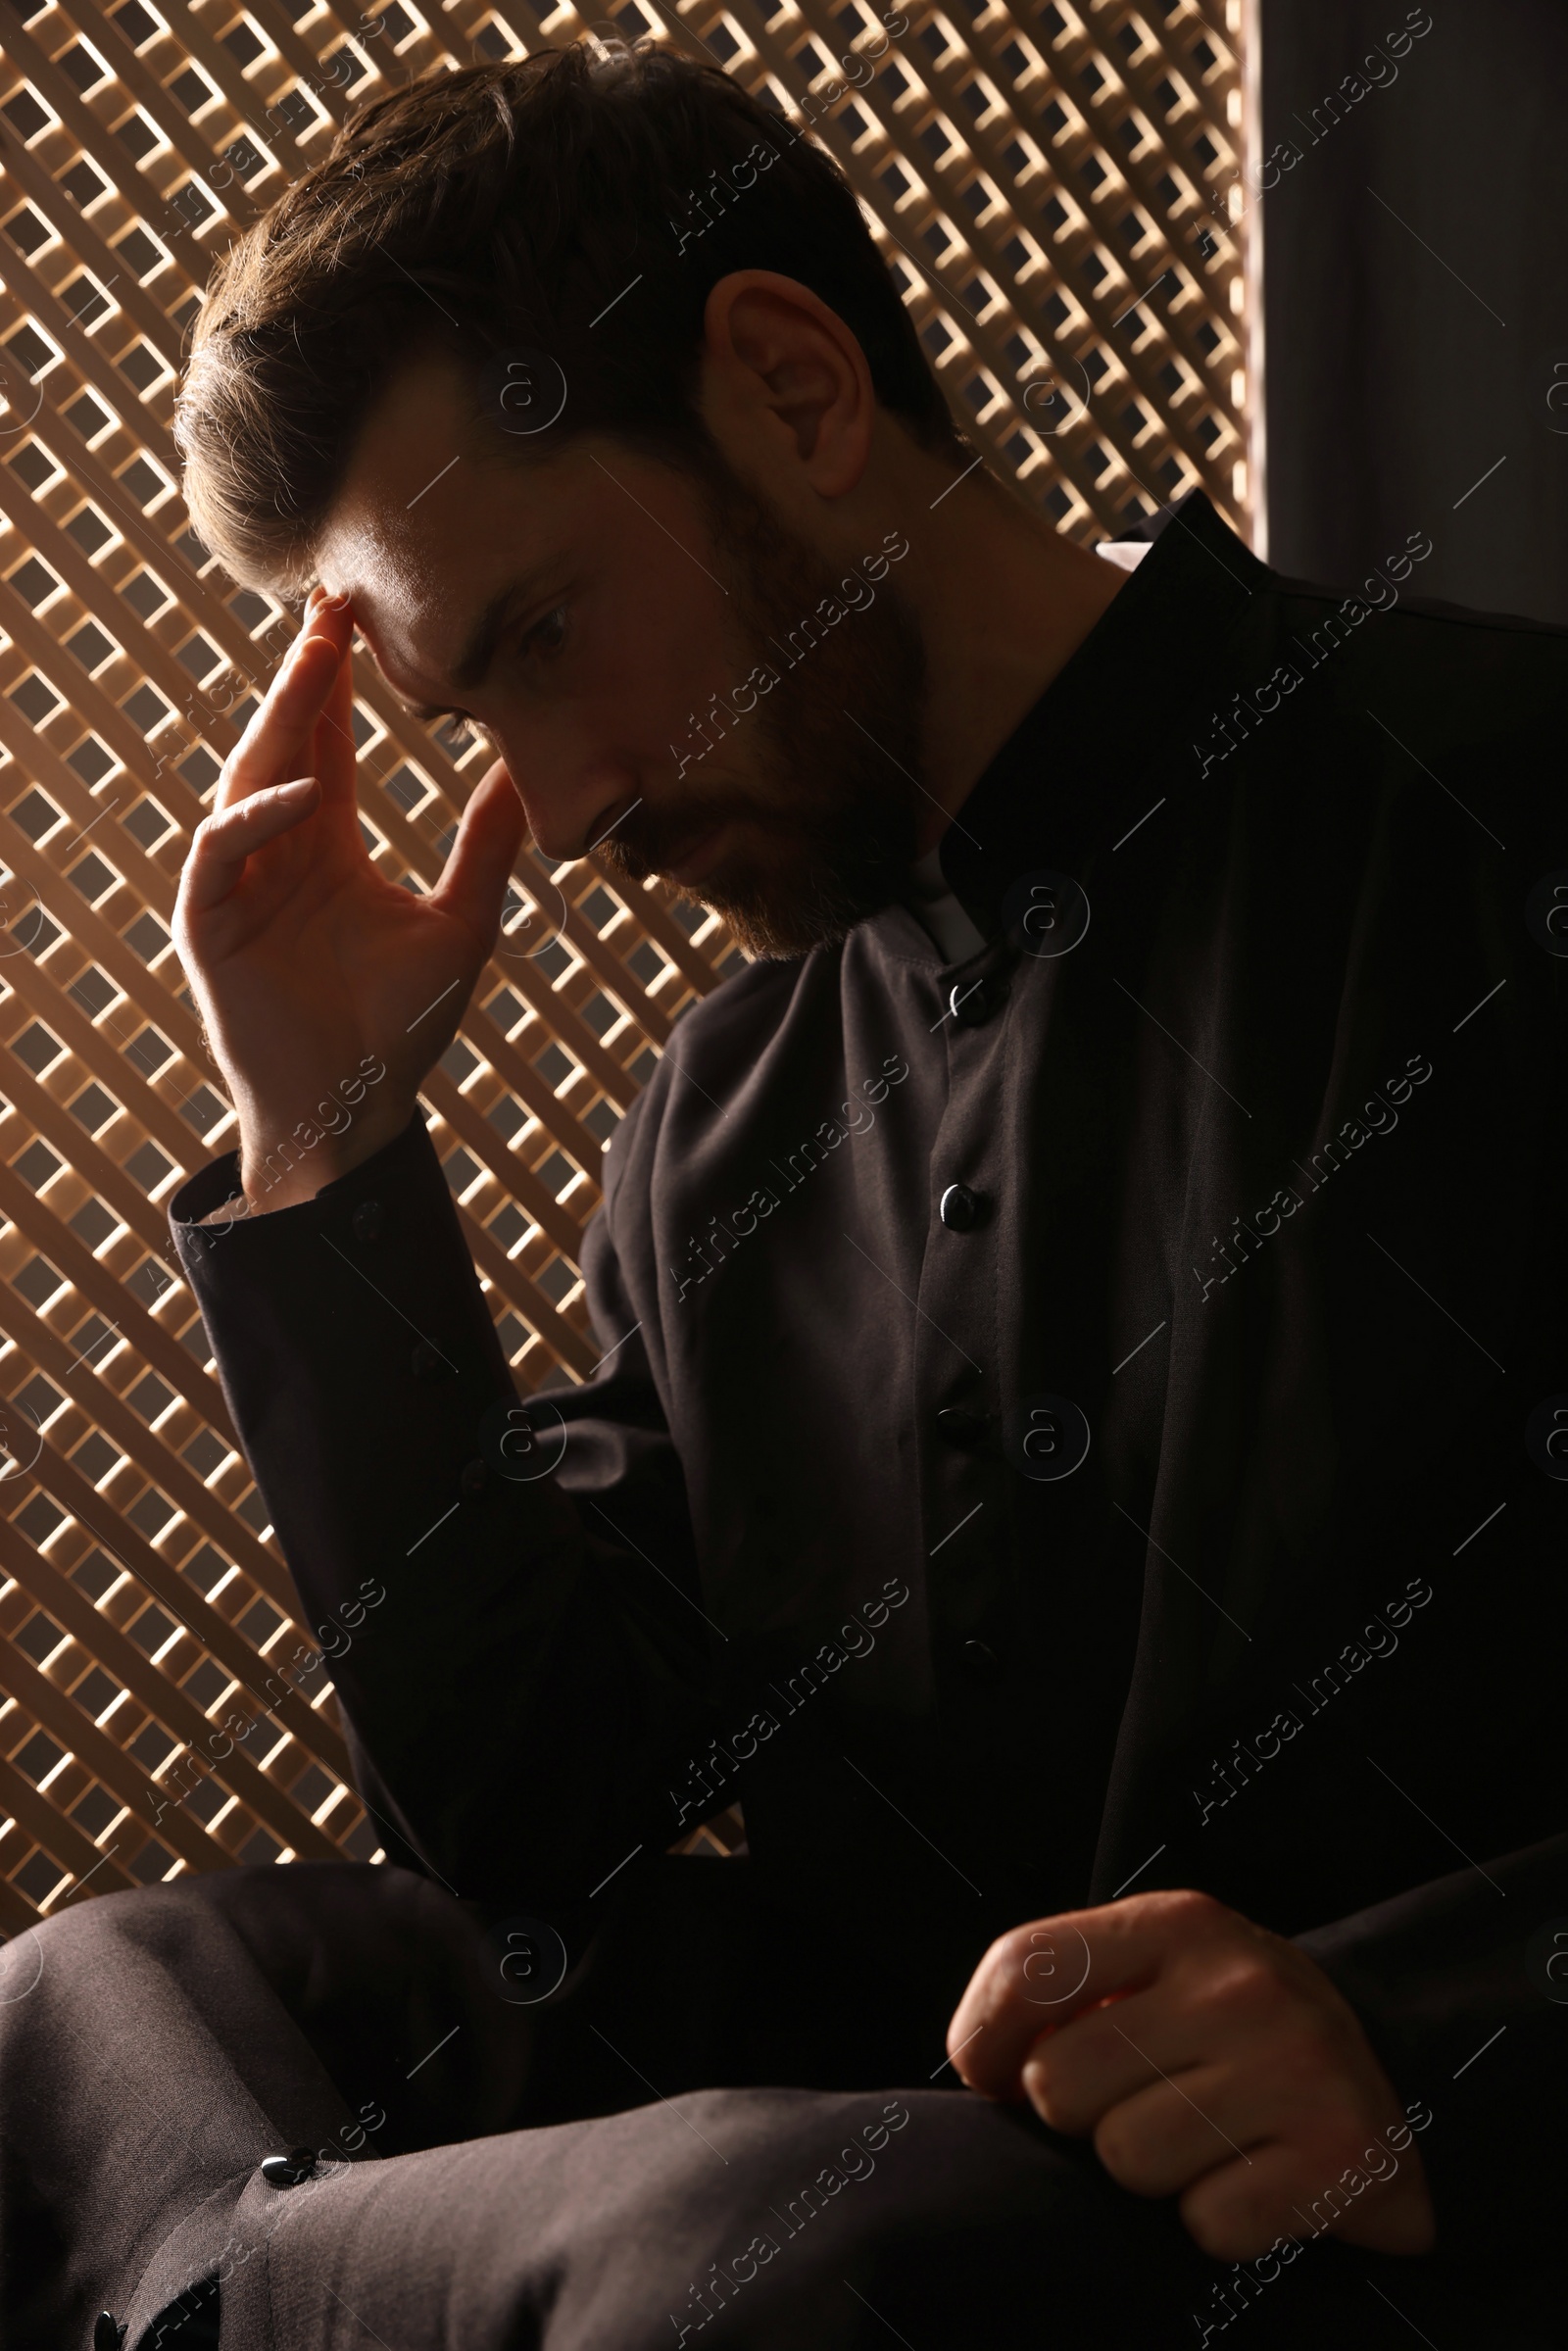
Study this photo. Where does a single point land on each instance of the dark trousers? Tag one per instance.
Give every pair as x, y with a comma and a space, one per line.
631, 2162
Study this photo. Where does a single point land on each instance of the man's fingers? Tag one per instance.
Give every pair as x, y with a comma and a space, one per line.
223, 842
1042, 1976
1029, 1982
1103, 2055
1227, 1997
473, 881
1235, 2210
334, 756
1170, 2132
1174, 2133
1238, 2210
280, 737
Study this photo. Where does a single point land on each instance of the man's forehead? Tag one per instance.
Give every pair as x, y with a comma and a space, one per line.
428, 524
408, 605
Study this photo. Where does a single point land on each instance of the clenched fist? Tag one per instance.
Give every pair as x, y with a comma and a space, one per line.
1208, 2060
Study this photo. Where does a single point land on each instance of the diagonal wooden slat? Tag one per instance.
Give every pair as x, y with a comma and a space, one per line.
57, 1833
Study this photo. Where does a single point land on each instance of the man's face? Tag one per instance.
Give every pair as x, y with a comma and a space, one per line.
611, 626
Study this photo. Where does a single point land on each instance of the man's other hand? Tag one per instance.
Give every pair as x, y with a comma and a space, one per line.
327, 989
1210, 2061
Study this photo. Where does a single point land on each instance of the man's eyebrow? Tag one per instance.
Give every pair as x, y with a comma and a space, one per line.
478, 647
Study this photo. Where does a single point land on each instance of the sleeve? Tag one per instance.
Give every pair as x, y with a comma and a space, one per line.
1461, 1983
510, 1616
1461, 1986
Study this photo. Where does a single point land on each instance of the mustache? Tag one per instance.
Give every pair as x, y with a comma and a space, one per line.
648, 840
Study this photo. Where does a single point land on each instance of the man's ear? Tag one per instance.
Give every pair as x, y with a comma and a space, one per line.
785, 381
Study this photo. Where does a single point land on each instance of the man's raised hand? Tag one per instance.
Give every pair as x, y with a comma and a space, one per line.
1210, 2060
306, 961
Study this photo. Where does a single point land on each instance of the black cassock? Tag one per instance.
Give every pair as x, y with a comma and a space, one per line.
1089, 1419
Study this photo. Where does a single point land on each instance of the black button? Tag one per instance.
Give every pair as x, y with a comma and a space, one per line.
473, 1476
980, 1660
962, 1209
287, 2170
974, 1001
107, 2332
959, 1426
368, 1220
428, 1365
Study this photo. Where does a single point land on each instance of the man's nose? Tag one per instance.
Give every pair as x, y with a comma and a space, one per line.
565, 828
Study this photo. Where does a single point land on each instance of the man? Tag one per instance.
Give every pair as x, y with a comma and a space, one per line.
1079, 1473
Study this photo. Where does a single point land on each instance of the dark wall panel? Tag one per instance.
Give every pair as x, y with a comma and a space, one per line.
1413, 189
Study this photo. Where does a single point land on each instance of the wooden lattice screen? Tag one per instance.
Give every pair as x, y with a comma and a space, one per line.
1057, 190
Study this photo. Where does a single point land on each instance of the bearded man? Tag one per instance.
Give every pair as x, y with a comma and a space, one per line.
1075, 1449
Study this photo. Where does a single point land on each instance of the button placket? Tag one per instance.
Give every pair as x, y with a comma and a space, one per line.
369, 1221
956, 1382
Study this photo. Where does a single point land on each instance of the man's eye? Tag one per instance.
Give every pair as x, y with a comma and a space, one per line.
549, 634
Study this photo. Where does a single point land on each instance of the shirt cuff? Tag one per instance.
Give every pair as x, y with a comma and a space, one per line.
220, 1181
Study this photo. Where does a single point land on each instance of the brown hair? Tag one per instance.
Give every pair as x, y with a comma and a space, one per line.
580, 204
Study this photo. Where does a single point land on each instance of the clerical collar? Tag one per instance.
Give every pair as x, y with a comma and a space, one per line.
931, 901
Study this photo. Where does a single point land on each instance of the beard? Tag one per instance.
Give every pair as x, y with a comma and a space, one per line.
821, 785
